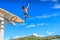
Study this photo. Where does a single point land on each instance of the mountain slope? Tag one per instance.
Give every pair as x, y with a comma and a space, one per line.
32, 37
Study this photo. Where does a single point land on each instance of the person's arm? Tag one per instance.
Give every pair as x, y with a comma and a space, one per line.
28, 6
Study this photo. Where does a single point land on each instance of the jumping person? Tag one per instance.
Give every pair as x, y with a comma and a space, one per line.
25, 10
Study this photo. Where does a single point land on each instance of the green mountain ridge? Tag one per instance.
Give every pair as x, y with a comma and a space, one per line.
32, 37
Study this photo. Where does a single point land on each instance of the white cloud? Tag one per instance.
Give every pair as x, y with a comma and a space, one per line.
44, 0
6, 39
42, 35
23, 24
54, 0
47, 16
49, 33
35, 34
44, 16
56, 6
40, 24
31, 18
47, 24
43, 24
35, 25
31, 25
12, 37
17, 37
49, 0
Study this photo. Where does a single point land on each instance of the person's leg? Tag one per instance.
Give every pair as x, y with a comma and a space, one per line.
26, 15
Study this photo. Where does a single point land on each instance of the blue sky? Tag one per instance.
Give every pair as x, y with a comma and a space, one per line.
44, 18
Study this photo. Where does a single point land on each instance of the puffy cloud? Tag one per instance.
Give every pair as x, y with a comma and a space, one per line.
23, 24
47, 16
42, 35
31, 25
54, 0
49, 33
35, 25
44, 16
17, 37
35, 34
31, 18
6, 39
43, 24
44, 0
56, 6
49, 0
